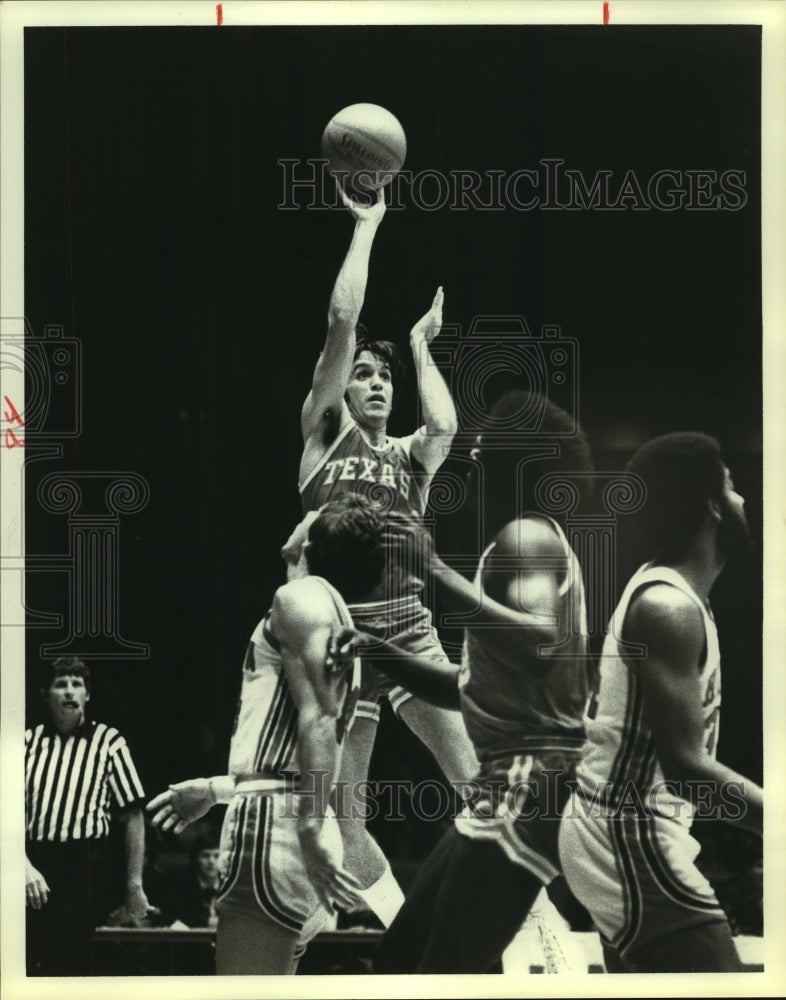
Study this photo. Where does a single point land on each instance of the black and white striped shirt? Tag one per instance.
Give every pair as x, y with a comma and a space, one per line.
72, 782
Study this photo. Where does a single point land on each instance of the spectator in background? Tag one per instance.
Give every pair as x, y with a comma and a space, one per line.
192, 892
76, 771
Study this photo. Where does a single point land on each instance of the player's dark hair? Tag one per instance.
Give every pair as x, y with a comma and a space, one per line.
383, 350
680, 472
346, 546
533, 421
64, 666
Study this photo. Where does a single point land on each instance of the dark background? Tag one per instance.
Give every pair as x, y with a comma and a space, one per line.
152, 235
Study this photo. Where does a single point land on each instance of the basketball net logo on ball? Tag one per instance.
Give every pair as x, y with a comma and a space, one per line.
365, 147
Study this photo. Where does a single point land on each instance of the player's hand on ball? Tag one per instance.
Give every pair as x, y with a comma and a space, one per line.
364, 213
428, 326
181, 804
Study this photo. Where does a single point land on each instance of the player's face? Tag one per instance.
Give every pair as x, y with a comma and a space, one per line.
67, 698
370, 390
733, 533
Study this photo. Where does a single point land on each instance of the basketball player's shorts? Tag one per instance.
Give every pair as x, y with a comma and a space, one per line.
517, 802
405, 622
635, 873
261, 866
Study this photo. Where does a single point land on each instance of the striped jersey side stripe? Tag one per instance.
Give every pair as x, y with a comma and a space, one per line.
263, 882
237, 851
662, 874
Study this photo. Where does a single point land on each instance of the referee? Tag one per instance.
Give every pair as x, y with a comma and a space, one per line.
76, 771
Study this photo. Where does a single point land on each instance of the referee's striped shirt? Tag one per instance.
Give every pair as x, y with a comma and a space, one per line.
73, 782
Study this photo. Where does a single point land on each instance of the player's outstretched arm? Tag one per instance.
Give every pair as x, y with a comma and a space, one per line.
431, 680
527, 597
670, 627
324, 402
187, 801
303, 619
431, 442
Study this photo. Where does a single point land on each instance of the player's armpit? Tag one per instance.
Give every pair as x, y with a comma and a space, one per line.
324, 411
429, 447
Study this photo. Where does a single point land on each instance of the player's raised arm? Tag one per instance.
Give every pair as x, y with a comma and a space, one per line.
324, 402
303, 619
431, 442
670, 627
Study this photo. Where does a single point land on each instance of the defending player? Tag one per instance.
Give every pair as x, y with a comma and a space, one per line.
523, 688
281, 849
625, 840
347, 449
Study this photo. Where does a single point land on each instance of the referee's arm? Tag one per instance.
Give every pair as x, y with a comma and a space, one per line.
136, 904
129, 794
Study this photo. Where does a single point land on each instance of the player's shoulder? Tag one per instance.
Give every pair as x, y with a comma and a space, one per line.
661, 615
529, 535
306, 601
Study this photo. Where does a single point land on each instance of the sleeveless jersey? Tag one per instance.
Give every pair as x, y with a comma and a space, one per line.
385, 476
621, 767
514, 703
350, 465
264, 736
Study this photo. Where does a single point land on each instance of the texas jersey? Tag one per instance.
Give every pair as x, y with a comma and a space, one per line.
387, 477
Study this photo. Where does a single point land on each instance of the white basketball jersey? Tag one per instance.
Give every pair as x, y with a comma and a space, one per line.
264, 737
621, 764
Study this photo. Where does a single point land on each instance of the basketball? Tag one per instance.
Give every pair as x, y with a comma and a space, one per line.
365, 145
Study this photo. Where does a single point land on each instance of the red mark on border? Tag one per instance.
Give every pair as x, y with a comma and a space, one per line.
12, 416
219, 14
605, 11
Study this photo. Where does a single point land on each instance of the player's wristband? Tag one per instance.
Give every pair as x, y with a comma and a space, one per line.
222, 788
